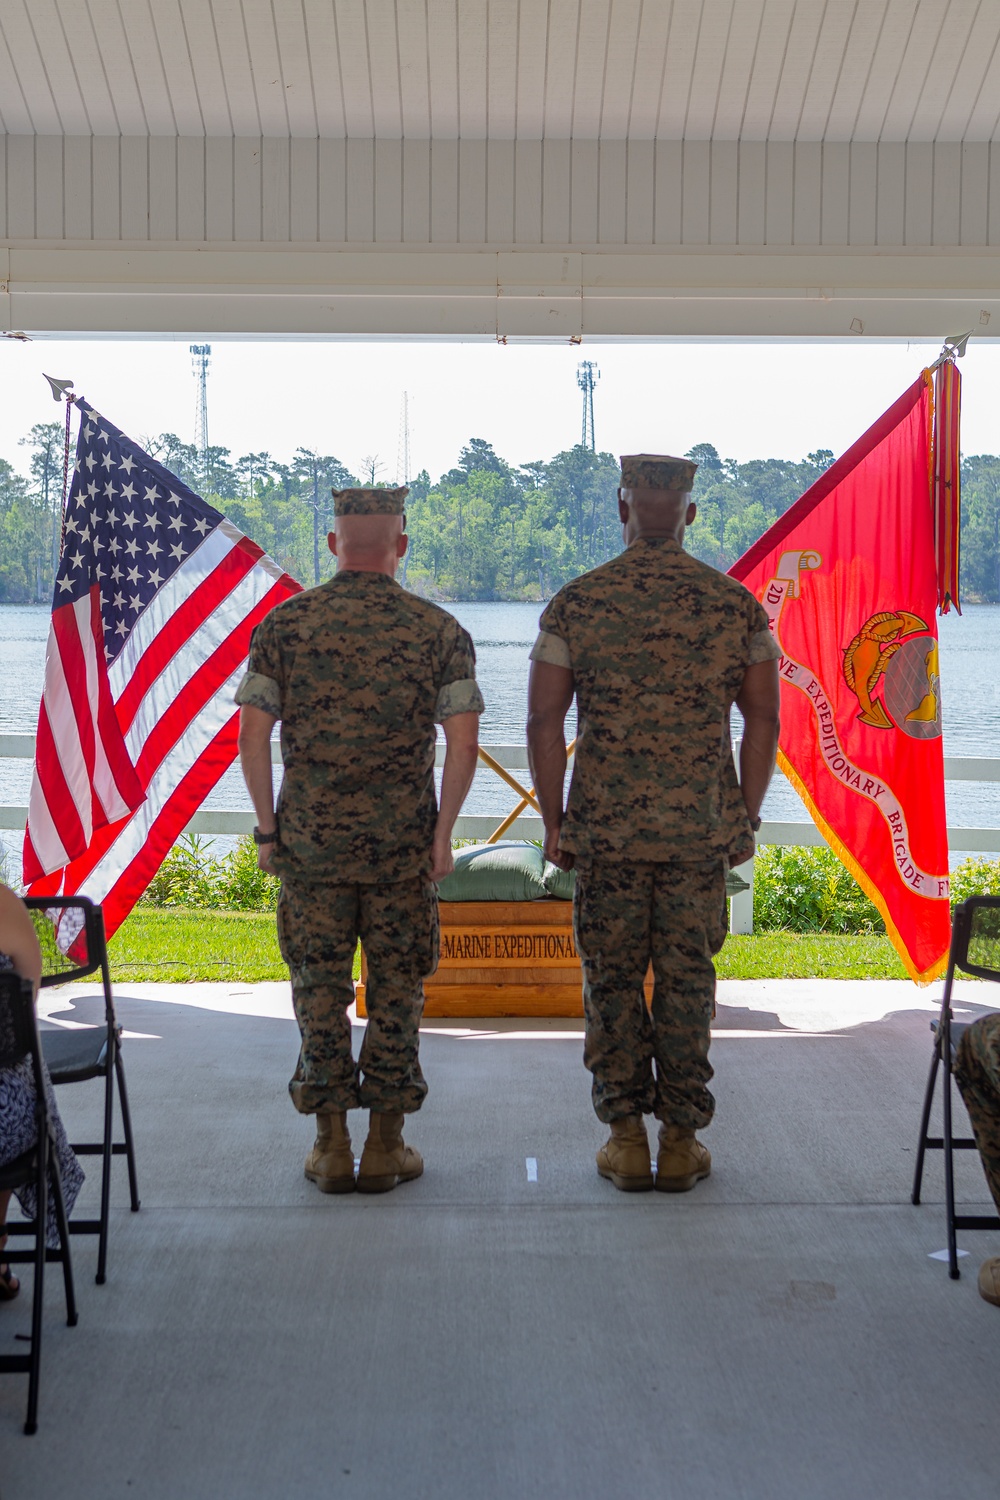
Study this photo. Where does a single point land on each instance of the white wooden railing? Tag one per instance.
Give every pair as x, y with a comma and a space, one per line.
514, 758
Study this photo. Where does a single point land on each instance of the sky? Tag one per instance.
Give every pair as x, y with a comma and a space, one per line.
751, 400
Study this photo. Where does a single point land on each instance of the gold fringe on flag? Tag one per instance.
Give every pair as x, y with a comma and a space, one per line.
946, 492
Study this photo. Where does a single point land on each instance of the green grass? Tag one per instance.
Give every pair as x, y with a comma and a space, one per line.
808, 955
184, 946
181, 947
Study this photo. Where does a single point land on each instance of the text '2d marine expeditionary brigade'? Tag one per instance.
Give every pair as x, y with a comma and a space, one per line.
850, 578
359, 672
656, 646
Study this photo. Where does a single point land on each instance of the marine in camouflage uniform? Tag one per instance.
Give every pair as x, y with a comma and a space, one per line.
977, 1071
658, 645
358, 671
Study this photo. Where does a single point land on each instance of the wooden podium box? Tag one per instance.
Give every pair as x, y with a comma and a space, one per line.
503, 958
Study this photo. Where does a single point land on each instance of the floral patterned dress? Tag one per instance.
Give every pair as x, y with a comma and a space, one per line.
17, 1134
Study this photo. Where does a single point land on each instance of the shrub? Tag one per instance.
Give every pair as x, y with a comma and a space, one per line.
808, 890
975, 877
187, 877
7, 875
191, 877
795, 889
244, 884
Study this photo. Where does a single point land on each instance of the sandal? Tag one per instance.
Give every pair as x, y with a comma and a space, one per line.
9, 1284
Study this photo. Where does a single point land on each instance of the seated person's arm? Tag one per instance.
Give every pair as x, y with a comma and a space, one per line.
17, 937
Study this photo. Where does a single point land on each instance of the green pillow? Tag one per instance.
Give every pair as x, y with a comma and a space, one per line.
495, 872
559, 884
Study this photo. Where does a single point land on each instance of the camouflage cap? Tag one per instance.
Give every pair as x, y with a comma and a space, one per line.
657, 471
373, 502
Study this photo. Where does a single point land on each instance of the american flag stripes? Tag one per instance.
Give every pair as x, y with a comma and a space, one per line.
155, 600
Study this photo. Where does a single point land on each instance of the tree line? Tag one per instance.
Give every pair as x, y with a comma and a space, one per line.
484, 530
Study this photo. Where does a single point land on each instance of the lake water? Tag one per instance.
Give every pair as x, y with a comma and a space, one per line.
503, 633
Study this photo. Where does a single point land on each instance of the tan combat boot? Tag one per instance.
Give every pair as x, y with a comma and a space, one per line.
989, 1280
625, 1157
681, 1160
330, 1163
387, 1159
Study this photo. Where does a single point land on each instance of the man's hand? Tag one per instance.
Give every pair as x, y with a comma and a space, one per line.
255, 758
442, 858
552, 852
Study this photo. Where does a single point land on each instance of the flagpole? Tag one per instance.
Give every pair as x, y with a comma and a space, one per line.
62, 390
945, 458
954, 348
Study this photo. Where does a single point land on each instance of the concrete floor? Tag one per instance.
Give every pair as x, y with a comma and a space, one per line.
778, 1334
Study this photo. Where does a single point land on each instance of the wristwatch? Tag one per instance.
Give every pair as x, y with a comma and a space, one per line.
265, 838
755, 823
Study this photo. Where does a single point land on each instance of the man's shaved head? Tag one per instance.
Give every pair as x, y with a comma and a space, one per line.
370, 543
647, 512
367, 533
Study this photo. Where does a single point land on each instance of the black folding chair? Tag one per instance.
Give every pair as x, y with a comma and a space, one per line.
70, 931
19, 1039
975, 948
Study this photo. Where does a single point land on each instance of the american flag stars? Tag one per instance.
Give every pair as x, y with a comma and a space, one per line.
107, 519
145, 650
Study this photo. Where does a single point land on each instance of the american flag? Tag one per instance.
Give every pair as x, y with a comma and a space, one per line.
154, 603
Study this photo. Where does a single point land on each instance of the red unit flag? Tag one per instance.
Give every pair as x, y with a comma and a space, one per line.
155, 600
848, 577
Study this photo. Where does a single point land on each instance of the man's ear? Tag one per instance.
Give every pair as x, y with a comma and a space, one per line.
331, 541
622, 509
402, 542
690, 513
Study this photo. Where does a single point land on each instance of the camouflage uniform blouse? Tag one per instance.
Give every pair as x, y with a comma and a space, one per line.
658, 644
358, 670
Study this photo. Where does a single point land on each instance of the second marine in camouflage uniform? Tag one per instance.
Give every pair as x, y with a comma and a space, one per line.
977, 1071
658, 646
358, 671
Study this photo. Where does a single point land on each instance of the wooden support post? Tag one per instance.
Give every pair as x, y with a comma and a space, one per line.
741, 905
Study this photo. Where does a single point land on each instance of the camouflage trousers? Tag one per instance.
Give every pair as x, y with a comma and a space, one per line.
977, 1072
624, 915
318, 931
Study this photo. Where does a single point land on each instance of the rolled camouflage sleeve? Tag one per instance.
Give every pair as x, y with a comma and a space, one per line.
551, 648
459, 692
257, 691
762, 646
552, 645
261, 683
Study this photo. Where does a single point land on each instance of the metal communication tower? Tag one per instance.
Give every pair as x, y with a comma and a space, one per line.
200, 358
587, 376
403, 447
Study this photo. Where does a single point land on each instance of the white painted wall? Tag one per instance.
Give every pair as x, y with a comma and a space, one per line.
284, 190
475, 238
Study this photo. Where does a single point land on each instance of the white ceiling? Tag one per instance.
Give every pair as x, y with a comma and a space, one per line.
778, 70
